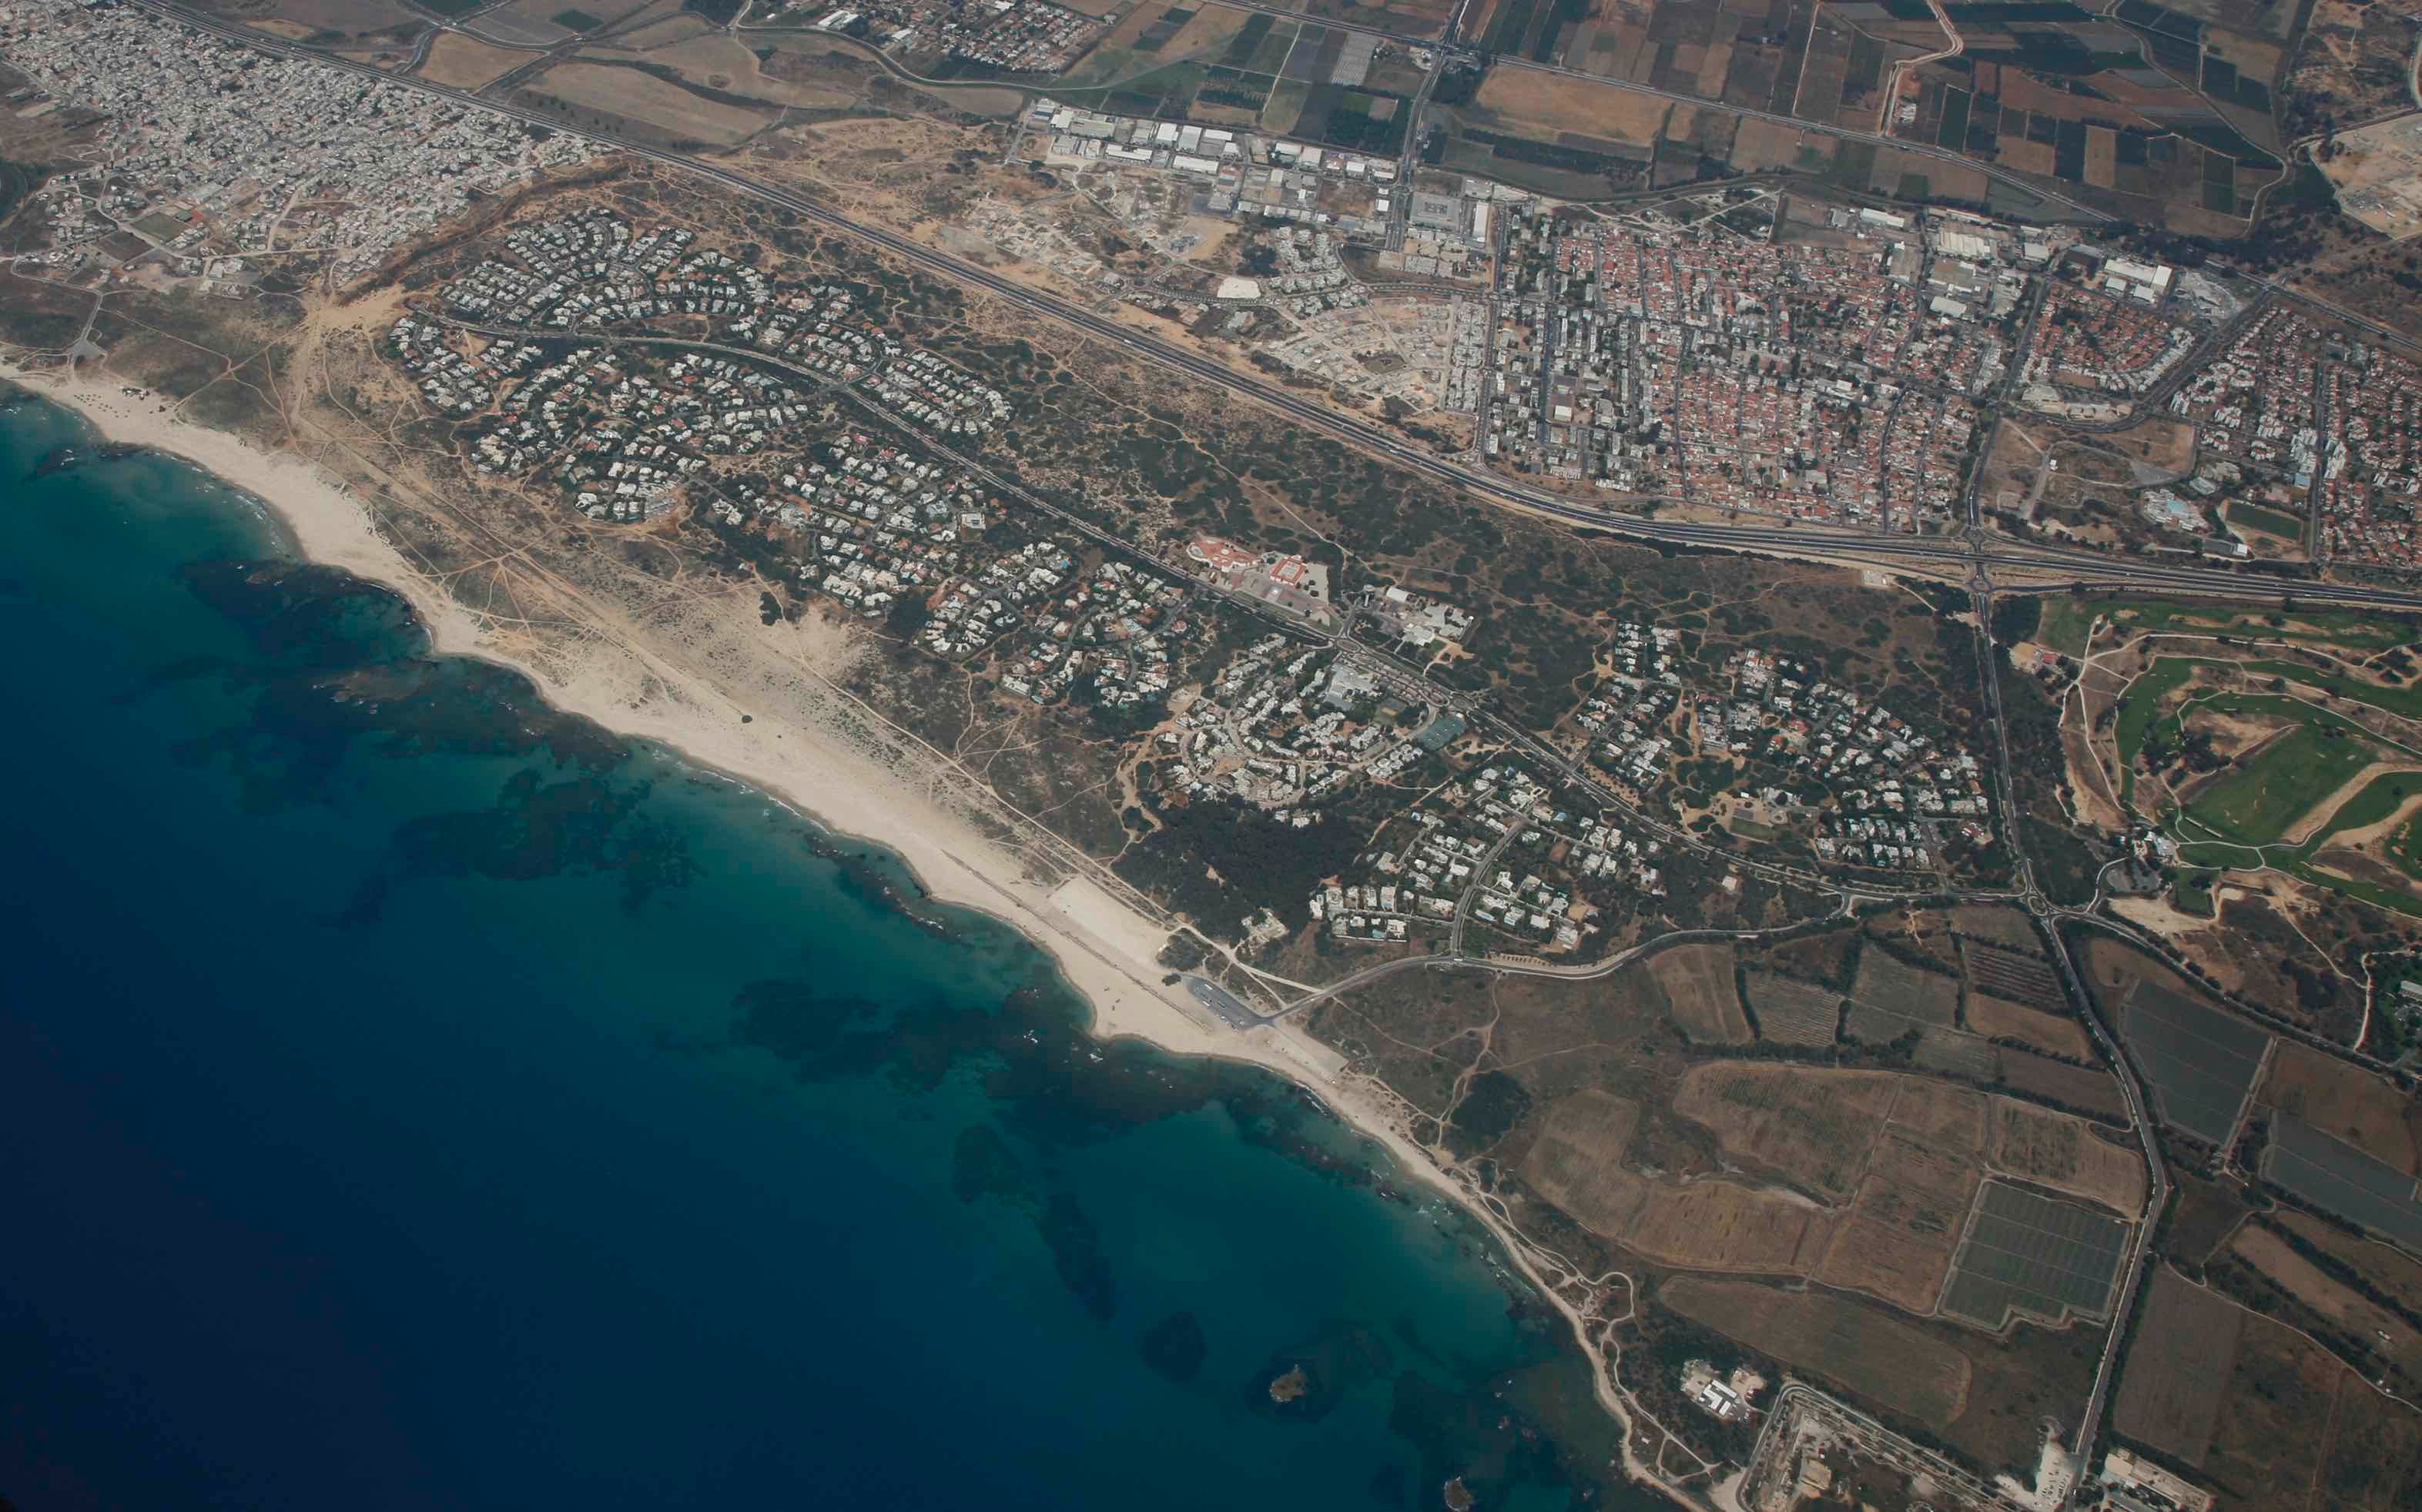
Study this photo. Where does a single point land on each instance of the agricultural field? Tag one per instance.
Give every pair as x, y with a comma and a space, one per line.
2390, 1273
1713, 1223
1909, 993
2007, 928
2347, 1103
2265, 1452
1812, 1128
1793, 1012
2146, 112
1998, 1019
2063, 1152
2177, 1372
1739, 52
328, 22
2339, 1179
2034, 1256
2014, 976
2201, 1062
1286, 78
1406, 18
1564, 137
528, 22
1697, 981
2375, 1329
1926, 1163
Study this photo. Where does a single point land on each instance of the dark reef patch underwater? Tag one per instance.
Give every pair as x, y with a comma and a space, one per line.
415, 1097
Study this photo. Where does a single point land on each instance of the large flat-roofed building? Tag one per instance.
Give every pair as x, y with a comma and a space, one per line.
1436, 212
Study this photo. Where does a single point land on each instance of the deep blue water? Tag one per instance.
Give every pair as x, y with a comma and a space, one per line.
411, 1098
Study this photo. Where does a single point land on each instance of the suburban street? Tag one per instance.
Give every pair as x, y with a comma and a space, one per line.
1946, 556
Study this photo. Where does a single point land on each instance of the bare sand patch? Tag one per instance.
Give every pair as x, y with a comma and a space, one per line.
2317, 818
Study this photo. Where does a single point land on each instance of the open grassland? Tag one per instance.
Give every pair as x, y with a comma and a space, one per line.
2281, 1434
1577, 1164
2062, 1151
457, 61
664, 111
1697, 981
1813, 1129
2383, 1267
2257, 802
1898, 1243
2345, 1308
1856, 1343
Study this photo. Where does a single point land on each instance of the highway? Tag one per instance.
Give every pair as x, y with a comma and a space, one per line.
1974, 557
1948, 555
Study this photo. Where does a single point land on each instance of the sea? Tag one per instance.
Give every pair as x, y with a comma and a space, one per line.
412, 1096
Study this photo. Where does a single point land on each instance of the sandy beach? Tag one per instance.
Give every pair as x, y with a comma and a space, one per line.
1104, 945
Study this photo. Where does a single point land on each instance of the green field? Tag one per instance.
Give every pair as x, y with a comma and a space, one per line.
2142, 701
2067, 619
2405, 847
2270, 522
2258, 801
2192, 893
2406, 700
2378, 800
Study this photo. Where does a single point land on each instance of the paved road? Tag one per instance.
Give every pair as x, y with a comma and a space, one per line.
1980, 555
2064, 564
1231, 1009
1508, 60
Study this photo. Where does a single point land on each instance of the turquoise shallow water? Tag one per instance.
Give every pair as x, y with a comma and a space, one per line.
411, 1098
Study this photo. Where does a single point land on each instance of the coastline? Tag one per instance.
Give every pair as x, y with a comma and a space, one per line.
1102, 946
